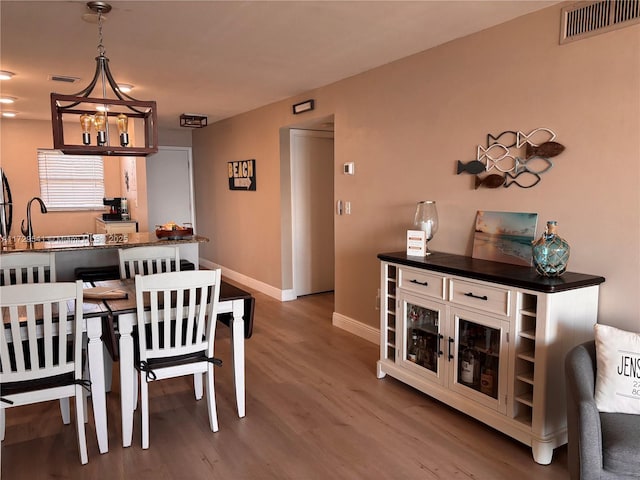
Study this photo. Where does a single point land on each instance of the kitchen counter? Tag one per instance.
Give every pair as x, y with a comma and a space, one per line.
60, 243
98, 250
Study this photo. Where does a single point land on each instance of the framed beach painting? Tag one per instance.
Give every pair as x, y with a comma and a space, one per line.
505, 237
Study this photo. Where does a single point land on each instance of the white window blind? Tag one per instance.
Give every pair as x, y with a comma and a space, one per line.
71, 182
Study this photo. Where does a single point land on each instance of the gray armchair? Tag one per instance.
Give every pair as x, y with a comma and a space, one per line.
602, 446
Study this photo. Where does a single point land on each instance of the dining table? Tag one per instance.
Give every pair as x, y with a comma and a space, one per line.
231, 302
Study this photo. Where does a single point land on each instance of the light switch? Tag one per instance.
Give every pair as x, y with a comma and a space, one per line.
349, 168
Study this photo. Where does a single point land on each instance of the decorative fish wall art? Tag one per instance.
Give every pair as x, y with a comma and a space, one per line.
506, 164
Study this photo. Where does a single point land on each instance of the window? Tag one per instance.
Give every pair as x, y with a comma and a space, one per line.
71, 182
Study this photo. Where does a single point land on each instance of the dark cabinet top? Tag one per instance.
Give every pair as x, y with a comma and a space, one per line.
494, 272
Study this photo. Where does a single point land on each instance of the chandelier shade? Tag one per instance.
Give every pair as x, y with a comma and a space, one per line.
109, 114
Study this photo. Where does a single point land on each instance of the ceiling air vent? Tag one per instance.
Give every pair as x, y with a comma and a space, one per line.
63, 79
586, 19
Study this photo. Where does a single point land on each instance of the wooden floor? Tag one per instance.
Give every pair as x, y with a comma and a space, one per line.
315, 410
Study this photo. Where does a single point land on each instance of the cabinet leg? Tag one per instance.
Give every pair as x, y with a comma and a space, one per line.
379, 372
542, 452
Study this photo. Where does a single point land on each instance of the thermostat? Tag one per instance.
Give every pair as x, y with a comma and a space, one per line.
348, 168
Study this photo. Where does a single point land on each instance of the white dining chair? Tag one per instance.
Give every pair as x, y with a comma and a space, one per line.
41, 348
32, 267
148, 260
176, 332
27, 267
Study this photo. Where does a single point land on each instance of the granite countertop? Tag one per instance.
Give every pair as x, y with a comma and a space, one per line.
107, 220
58, 243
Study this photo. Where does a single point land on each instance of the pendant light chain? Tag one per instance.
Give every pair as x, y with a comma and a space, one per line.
101, 49
103, 77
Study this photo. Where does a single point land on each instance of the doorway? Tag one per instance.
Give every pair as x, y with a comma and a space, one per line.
170, 186
312, 216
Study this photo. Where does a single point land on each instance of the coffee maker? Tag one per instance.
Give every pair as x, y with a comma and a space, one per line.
118, 208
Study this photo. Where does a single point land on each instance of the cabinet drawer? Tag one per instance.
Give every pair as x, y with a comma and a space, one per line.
422, 282
482, 297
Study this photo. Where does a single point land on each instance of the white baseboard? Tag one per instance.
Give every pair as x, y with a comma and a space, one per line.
282, 295
341, 321
357, 328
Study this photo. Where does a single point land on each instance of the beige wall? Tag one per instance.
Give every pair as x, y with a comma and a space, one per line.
407, 123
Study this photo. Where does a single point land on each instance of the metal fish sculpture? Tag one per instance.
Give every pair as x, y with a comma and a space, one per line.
474, 167
523, 138
494, 155
508, 163
522, 179
495, 152
491, 139
490, 181
536, 164
546, 149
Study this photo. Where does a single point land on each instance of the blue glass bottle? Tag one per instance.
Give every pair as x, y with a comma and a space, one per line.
551, 252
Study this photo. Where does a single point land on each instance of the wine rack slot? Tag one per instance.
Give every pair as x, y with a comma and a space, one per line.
525, 359
390, 303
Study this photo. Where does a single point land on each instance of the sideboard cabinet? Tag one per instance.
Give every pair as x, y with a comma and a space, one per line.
487, 338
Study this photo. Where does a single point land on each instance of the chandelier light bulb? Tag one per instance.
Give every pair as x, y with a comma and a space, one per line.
86, 122
123, 129
100, 121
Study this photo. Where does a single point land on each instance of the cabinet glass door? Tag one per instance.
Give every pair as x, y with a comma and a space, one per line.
480, 358
422, 333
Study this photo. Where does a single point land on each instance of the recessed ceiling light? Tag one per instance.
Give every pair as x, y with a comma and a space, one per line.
7, 99
9, 114
124, 87
102, 108
5, 75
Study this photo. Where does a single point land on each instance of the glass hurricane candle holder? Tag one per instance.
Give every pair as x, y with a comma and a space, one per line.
426, 219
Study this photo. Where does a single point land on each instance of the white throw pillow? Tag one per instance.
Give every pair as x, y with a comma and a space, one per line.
618, 362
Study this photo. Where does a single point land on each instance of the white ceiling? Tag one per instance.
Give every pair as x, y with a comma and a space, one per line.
223, 58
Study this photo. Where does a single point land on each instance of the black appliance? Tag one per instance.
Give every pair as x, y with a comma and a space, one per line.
118, 209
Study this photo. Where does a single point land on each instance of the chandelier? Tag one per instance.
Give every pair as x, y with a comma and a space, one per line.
111, 115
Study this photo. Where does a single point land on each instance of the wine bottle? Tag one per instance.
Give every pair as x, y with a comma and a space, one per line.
412, 354
469, 366
487, 377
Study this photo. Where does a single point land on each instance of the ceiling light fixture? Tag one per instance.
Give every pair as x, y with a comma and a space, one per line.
5, 75
111, 107
9, 114
125, 88
7, 100
193, 120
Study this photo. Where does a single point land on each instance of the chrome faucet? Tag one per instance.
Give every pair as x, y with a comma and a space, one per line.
28, 232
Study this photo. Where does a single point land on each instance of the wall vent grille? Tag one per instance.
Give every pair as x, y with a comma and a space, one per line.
586, 19
63, 78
